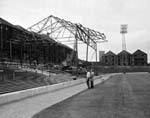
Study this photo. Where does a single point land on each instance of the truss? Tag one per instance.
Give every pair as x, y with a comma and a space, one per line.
66, 31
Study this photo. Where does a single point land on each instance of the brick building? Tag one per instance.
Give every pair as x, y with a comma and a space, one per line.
124, 58
101, 53
109, 58
139, 58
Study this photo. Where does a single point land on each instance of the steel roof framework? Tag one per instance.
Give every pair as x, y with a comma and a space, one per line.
67, 32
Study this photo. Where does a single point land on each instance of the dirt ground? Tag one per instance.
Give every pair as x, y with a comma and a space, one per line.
122, 96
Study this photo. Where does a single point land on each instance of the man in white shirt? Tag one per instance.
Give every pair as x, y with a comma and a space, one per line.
88, 75
90, 81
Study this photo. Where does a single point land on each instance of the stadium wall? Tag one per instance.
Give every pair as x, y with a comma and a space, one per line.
15, 96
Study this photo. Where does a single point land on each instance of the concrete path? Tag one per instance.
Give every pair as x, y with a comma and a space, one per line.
122, 96
28, 107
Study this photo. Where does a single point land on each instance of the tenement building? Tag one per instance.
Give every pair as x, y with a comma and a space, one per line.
109, 58
124, 58
139, 58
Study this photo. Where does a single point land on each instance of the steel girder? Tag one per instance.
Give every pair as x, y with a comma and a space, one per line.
63, 31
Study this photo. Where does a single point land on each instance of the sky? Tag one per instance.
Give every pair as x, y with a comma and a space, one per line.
104, 16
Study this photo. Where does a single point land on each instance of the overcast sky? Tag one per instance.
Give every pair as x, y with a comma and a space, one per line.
101, 15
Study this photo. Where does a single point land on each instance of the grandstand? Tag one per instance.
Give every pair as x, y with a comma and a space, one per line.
19, 47
22, 46
24, 53
14, 79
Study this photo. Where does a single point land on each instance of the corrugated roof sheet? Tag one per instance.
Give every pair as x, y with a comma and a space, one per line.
44, 37
2, 21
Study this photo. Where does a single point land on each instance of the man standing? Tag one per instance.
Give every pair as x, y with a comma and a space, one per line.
92, 78
90, 81
88, 75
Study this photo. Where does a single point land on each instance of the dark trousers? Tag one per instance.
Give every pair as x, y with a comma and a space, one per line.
90, 83
87, 82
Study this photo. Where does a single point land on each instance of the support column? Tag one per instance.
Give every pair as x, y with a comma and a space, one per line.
21, 51
30, 50
10, 51
76, 49
96, 52
1, 52
87, 49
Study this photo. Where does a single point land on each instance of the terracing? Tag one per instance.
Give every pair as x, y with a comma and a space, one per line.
15, 79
